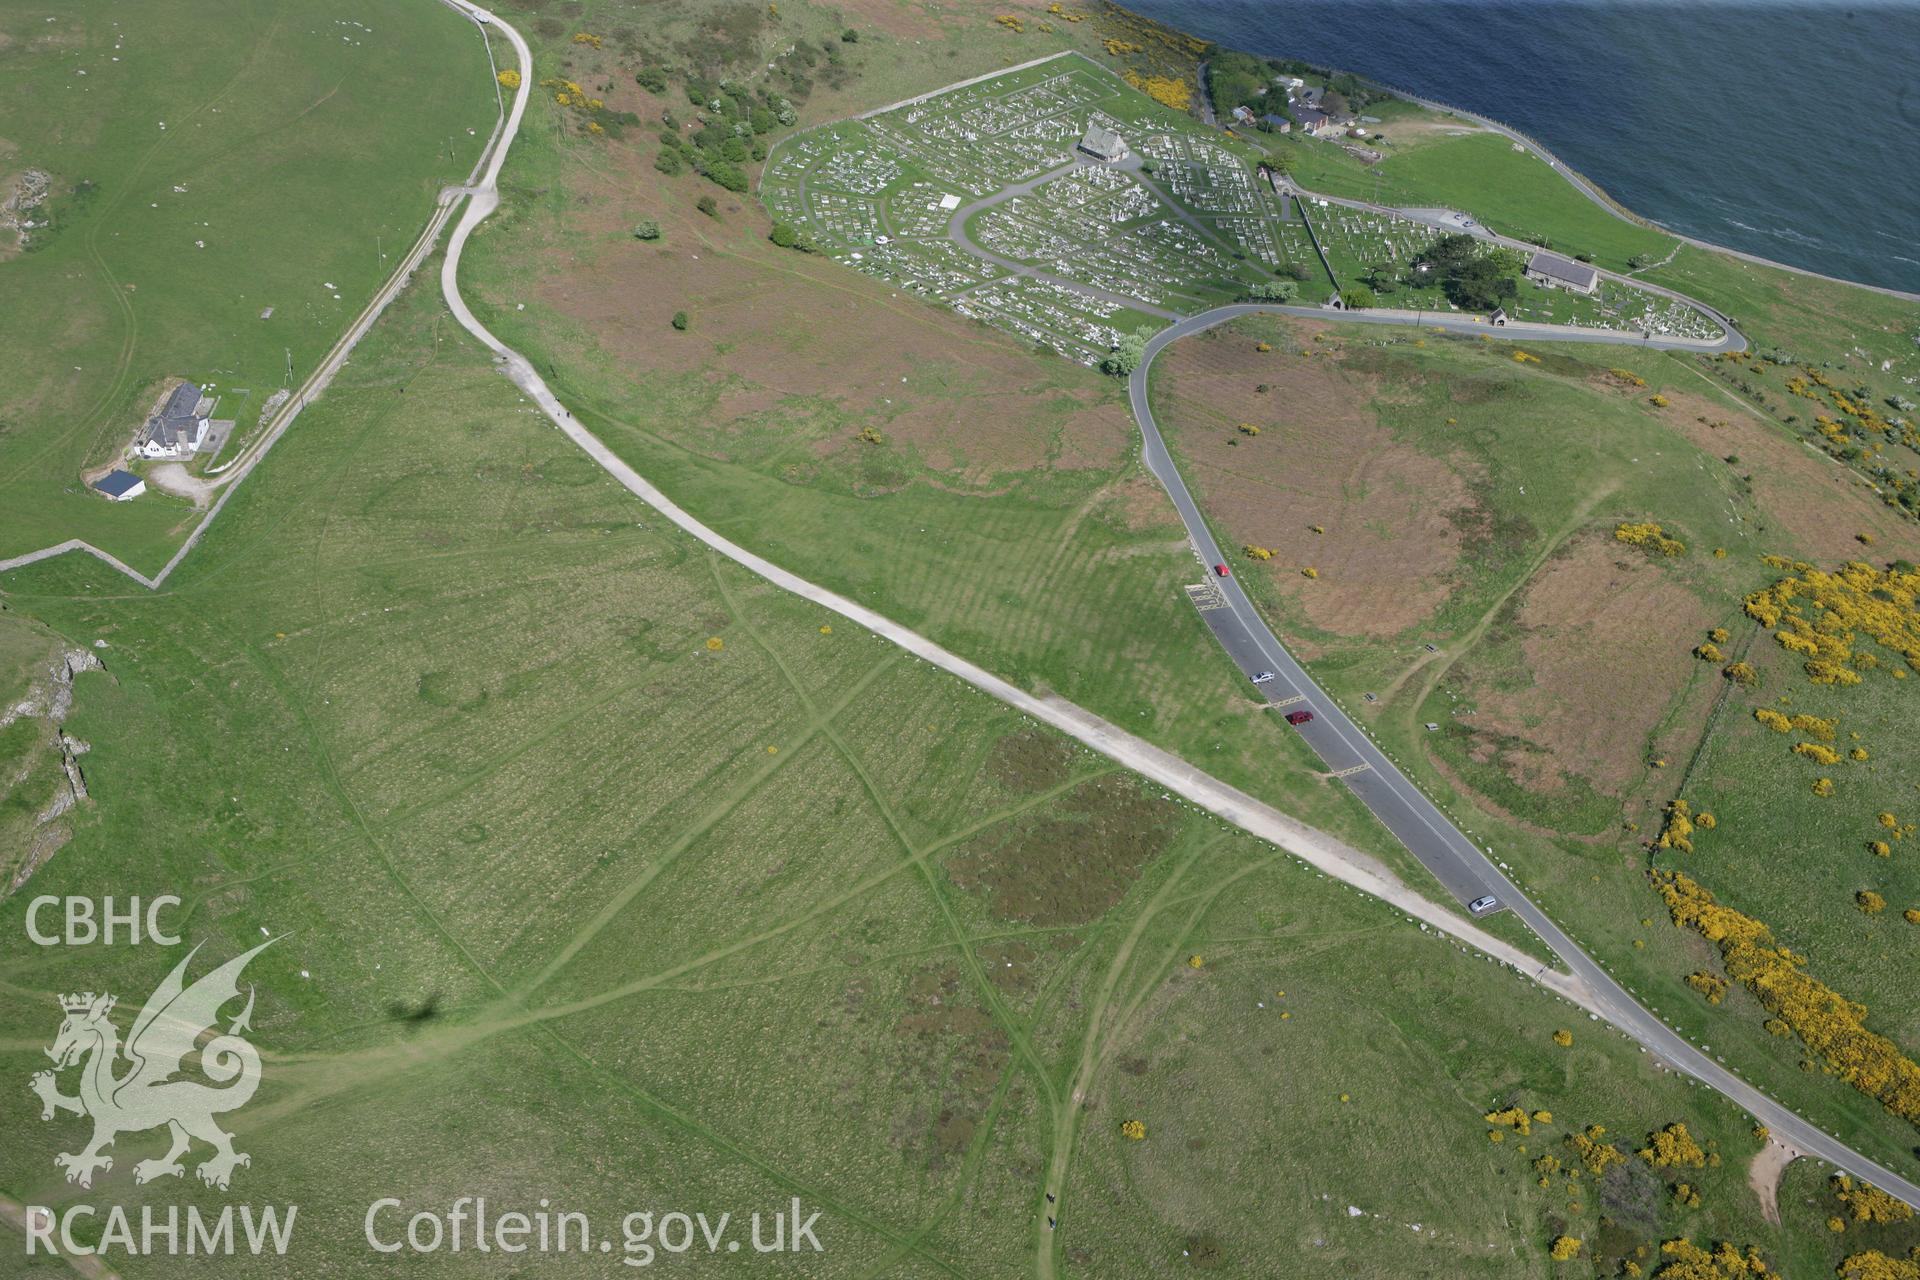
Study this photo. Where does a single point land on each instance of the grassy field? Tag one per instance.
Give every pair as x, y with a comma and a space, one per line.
605, 873
1480, 494
989, 496
1481, 172
208, 161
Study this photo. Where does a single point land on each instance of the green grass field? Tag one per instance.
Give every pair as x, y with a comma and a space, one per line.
1552, 455
1512, 191
208, 161
606, 873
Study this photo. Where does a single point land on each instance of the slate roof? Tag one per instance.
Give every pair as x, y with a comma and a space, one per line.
1101, 141
116, 483
1566, 271
178, 417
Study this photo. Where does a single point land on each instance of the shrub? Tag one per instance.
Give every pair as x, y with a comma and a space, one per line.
708, 205
1741, 673
1709, 652
1816, 753
1564, 1248
849, 36
1673, 1147
1651, 537
1831, 1025
652, 79
669, 162
1823, 787
509, 79
680, 321
1869, 902
1710, 985
646, 229
1867, 1202
1134, 1130
1563, 1038
1773, 719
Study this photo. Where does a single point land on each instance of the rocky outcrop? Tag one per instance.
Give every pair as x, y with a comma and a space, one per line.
50, 768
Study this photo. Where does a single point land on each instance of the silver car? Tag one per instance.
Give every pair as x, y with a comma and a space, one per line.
1480, 906
1262, 677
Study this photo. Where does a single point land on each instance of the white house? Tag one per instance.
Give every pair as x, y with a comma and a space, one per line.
179, 428
120, 486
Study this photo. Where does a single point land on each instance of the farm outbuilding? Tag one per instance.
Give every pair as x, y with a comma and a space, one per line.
120, 486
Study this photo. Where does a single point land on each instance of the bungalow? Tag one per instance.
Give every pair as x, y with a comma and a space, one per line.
179, 428
1562, 273
1103, 143
1243, 114
120, 486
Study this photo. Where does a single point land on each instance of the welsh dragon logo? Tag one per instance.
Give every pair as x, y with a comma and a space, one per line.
148, 1095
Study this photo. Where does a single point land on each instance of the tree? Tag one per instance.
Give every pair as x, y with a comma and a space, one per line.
726, 173
787, 236
1126, 354
681, 321
646, 229
1357, 297
1291, 270
1273, 291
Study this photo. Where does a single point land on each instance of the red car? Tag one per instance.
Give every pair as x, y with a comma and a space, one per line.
1222, 570
1299, 717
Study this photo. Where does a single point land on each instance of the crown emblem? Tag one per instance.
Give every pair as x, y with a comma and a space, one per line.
83, 1002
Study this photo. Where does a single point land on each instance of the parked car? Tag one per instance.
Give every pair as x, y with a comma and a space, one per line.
1261, 677
1222, 571
1480, 906
1299, 717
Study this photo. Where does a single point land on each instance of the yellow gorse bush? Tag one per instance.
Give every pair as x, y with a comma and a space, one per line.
1650, 536
1830, 1025
1867, 1202
1820, 615
1673, 1147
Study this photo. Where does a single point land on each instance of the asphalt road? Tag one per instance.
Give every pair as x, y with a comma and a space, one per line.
1433, 839
1465, 870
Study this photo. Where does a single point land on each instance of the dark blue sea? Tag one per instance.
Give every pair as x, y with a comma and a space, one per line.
1788, 129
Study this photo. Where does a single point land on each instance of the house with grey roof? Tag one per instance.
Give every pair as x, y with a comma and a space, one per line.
1557, 272
1317, 123
120, 486
1103, 143
178, 428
